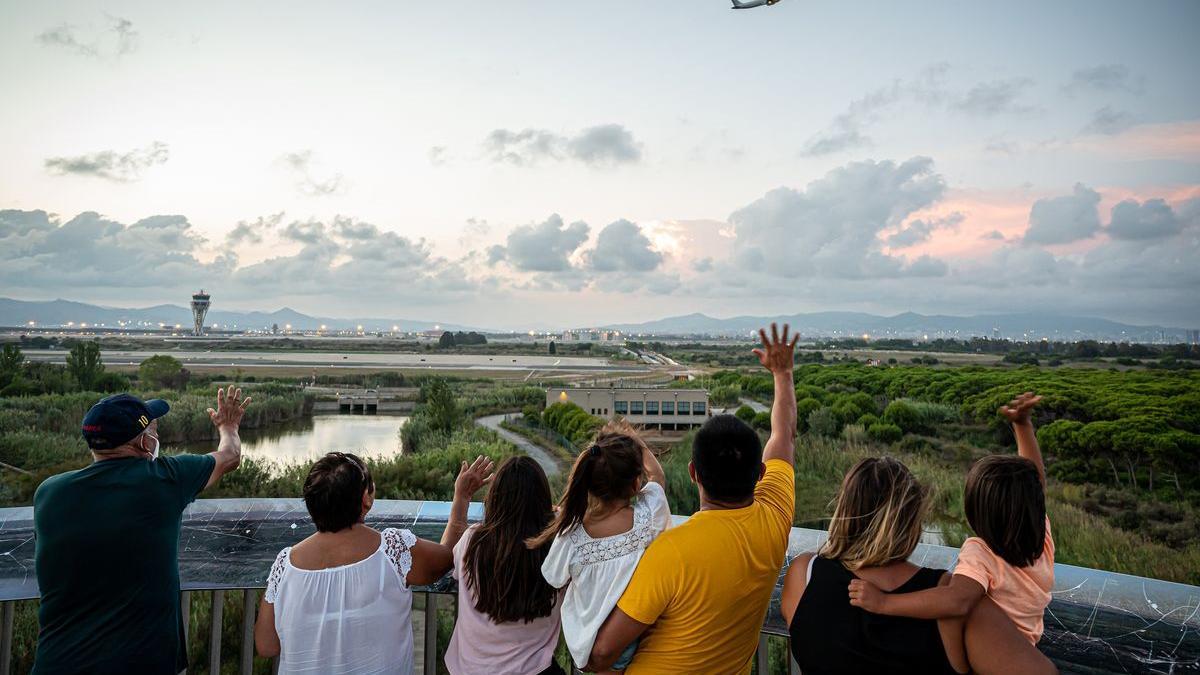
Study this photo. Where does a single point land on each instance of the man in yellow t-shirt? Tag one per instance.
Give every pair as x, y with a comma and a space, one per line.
700, 593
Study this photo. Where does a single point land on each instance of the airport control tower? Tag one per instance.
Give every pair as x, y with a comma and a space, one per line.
200, 302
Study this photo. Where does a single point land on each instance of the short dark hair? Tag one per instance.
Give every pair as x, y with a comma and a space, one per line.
1005, 504
333, 490
727, 455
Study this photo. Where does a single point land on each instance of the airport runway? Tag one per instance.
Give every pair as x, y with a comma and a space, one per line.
282, 359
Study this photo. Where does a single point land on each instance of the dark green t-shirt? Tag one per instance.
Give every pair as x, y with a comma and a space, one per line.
107, 561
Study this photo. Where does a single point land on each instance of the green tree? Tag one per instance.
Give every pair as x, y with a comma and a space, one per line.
446, 340
84, 364
884, 432
162, 371
823, 422
441, 408
553, 348
745, 414
11, 359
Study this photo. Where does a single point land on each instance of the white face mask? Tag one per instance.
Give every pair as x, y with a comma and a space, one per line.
154, 452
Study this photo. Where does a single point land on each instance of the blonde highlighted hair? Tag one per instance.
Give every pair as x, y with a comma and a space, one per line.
877, 516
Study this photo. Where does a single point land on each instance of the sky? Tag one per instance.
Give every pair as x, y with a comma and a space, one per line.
538, 165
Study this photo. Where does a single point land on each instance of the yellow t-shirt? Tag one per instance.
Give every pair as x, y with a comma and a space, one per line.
705, 584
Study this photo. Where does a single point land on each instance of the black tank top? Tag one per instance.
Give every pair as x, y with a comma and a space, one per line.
830, 636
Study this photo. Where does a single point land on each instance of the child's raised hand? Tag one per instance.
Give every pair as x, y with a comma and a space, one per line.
866, 595
1020, 409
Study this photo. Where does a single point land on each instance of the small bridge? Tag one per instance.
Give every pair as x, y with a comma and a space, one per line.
364, 401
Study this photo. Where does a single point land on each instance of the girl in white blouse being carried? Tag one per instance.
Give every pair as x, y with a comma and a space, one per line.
339, 601
614, 506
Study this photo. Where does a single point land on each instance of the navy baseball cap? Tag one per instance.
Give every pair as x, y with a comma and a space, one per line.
118, 419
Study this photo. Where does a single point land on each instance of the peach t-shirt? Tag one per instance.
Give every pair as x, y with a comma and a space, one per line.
1022, 592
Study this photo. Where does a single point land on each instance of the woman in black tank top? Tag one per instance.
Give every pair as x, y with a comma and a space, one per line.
831, 636
876, 526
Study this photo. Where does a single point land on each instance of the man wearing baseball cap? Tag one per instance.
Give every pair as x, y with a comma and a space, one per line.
107, 540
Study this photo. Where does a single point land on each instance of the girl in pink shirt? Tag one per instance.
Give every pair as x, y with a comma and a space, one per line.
1012, 559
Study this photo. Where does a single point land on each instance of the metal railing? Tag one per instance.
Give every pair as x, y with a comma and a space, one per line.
428, 637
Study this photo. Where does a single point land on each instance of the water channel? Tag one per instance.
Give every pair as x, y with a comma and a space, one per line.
305, 440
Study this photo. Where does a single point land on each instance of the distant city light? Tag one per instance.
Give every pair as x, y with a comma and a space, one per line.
178, 326
395, 328
360, 327
287, 326
322, 326
866, 337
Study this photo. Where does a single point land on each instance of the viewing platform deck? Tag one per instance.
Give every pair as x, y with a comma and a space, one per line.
1098, 622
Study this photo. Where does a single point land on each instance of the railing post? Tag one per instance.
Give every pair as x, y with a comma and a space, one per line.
761, 660
185, 608
6, 632
214, 638
247, 663
431, 631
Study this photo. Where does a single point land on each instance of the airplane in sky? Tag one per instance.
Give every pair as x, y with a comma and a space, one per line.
751, 4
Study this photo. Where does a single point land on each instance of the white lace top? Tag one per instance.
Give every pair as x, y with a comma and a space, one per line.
598, 570
350, 619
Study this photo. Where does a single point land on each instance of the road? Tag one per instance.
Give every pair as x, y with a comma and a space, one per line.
548, 463
293, 359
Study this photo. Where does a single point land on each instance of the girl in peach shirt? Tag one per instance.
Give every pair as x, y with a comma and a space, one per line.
1012, 559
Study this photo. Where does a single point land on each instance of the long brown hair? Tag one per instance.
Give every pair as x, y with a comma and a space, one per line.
517, 506
607, 471
878, 514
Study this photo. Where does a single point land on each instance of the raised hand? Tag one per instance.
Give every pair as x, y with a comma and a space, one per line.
1020, 409
474, 476
776, 354
866, 595
230, 408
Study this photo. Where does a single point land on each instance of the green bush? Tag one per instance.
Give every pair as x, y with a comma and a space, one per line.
804, 408
745, 413
904, 415
823, 422
761, 421
884, 432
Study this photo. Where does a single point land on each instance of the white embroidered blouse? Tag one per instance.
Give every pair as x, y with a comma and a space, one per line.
354, 618
599, 569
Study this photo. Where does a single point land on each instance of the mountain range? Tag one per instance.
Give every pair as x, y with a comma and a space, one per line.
60, 312
1032, 326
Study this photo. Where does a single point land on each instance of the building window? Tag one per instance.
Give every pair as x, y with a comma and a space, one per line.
635, 407
620, 407
698, 408
651, 407
685, 408
668, 408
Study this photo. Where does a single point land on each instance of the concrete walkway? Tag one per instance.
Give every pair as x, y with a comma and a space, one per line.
548, 463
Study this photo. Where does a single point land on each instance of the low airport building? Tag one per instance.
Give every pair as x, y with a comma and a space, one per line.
667, 409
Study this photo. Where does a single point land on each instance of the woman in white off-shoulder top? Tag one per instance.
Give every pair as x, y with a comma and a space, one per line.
339, 601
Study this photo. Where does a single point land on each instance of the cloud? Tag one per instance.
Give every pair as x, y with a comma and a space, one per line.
848, 130
118, 39
988, 99
252, 232
994, 235
920, 230
1112, 77
1062, 220
831, 227
544, 247
108, 164
300, 163
1109, 122
1152, 219
607, 145
622, 247
438, 155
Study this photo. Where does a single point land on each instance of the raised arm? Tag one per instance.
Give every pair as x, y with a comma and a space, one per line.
227, 418
954, 599
776, 355
429, 560
654, 470
470, 479
1019, 413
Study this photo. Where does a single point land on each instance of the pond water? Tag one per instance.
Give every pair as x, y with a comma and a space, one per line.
306, 439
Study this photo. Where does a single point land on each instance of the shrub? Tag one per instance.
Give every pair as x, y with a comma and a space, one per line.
884, 432
761, 421
745, 414
804, 408
854, 434
823, 422
904, 415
